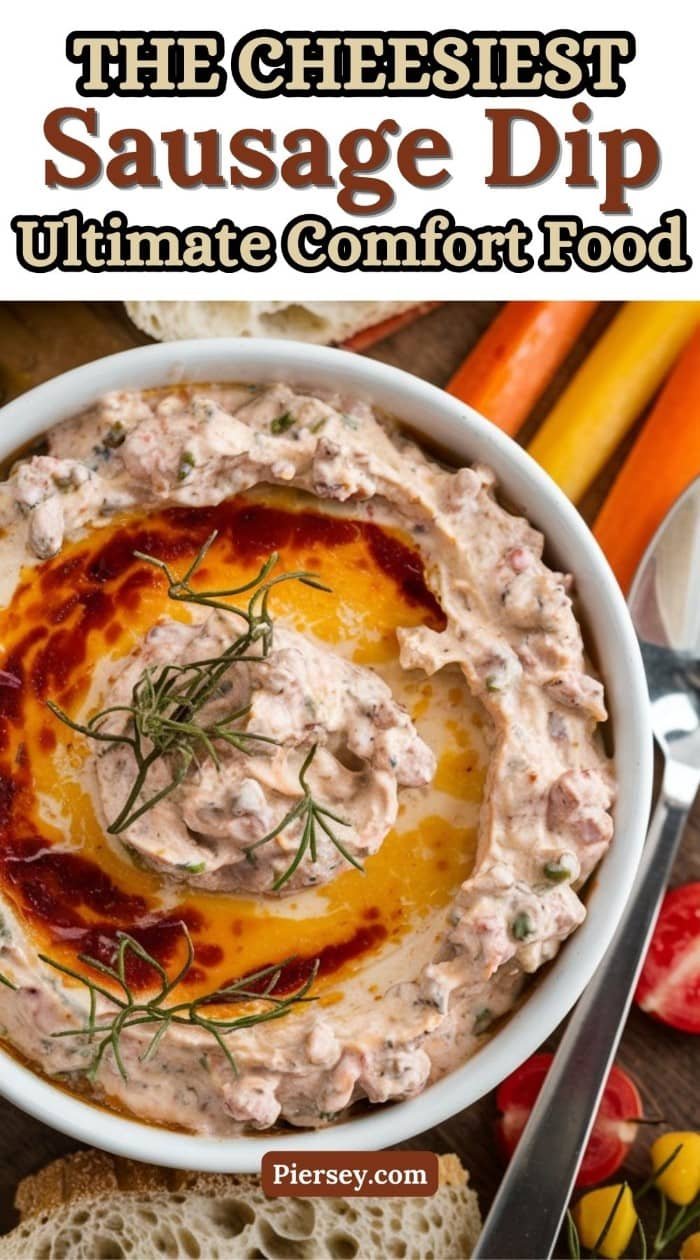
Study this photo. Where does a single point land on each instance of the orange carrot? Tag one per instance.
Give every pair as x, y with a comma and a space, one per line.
367, 337
513, 363
663, 461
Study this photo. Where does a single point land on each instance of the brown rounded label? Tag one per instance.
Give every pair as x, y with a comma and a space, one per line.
349, 1174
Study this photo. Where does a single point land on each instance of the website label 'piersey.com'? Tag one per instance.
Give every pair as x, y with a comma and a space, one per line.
352, 1174
403, 156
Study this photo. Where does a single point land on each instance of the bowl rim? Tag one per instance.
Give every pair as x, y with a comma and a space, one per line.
471, 438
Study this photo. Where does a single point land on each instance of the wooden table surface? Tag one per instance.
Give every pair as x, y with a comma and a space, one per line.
39, 340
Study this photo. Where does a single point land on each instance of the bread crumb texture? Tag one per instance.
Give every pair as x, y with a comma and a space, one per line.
91, 1206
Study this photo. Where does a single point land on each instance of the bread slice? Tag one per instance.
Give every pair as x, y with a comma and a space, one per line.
91, 1205
324, 323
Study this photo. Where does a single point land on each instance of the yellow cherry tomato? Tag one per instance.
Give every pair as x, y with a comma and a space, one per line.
681, 1180
690, 1249
591, 1213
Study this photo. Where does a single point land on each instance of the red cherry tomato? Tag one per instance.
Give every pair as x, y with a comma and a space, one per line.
669, 986
614, 1129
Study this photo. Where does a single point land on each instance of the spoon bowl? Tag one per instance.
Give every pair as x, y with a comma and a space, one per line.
665, 605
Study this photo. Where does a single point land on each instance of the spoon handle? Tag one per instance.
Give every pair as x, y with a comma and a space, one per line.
529, 1209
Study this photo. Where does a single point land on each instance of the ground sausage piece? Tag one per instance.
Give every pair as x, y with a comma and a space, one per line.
577, 808
251, 1100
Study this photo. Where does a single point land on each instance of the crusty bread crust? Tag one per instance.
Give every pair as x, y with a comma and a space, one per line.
452, 1171
323, 323
92, 1174
91, 1204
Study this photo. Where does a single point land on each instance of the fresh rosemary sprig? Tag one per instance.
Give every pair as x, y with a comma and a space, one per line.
313, 815
161, 723
162, 718
165, 700
132, 1012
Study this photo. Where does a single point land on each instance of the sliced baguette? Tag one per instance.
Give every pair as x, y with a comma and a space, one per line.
91, 1205
320, 322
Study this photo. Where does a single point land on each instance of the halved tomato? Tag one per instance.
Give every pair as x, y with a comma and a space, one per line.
669, 986
614, 1130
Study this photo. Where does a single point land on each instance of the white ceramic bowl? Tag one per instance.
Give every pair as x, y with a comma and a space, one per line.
469, 437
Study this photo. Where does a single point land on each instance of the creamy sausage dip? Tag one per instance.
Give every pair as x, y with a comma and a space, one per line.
387, 801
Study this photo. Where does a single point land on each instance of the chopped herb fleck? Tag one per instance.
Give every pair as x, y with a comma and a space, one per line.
492, 683
556, 873
115, 435
280, 424
8, 983
482, 1020
195, 868
318, 425
185, 466
350, 422
521, 927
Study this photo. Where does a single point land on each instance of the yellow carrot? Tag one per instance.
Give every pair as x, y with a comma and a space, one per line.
611, 388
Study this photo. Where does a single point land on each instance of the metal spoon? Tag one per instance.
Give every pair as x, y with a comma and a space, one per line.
528, 1211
